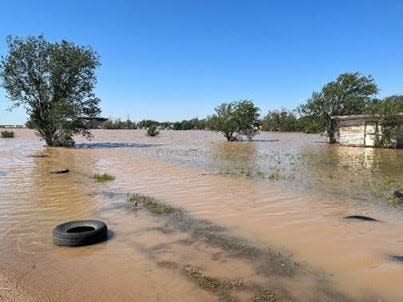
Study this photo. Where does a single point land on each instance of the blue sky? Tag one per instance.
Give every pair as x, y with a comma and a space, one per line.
171, 60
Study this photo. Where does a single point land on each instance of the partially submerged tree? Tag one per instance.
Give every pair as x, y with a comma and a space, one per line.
54, 82
236, 119
390, 106
390, 110
349, 94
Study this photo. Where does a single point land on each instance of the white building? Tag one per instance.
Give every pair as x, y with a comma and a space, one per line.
367, 130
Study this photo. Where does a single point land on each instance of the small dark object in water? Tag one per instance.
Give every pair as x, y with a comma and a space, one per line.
396, 258
360, 217
399, 193
38, 155
80, 232
60, 171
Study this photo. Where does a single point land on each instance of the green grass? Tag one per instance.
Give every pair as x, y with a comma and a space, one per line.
103, 177
153, 205
226, 288
203, 280
208, 282
7, 134
272, 262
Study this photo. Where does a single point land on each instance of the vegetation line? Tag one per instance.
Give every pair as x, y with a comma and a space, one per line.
275, 270
269, 261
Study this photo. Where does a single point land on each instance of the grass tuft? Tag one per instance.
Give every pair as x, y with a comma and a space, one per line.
7, 134
103, 177
203, 280
153, 205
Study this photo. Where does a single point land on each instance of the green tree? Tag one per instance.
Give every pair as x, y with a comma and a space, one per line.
390, 110
280, 120
389, 106
54, 82
236, 119
144, 124
350, 93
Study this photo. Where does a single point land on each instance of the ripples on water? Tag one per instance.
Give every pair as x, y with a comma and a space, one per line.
302, 162
289, 191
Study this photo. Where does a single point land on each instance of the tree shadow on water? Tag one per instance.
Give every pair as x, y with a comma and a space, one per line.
114, 145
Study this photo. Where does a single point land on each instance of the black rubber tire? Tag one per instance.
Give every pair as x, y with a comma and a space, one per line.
399, 193
91, 231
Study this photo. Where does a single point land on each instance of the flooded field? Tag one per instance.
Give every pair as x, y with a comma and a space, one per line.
260, 221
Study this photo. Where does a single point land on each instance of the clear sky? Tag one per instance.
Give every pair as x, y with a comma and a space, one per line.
173, 60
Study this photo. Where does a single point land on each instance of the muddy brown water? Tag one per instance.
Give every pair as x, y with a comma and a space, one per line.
283, 192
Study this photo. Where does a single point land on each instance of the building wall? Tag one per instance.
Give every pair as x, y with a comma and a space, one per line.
351, 135
363, 131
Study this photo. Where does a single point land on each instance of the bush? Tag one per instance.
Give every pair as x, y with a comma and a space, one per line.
103, 177
153, 130
7, 134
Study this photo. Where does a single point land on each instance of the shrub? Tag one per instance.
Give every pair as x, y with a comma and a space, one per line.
7, 134
153, 130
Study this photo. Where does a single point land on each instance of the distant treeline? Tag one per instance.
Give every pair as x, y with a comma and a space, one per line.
278, 120
348, 94
284, 120
192, 124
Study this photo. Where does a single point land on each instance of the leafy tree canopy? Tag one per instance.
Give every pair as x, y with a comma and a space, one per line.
54, 82
389, 106
280, 120
236, 119
349, 94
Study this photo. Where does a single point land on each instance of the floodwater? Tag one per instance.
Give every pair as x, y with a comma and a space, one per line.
281, 198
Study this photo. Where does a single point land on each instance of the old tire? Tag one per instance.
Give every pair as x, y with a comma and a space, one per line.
80, 232
399, 193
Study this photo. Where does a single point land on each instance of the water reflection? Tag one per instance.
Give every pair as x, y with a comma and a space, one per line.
234, 158
360, 173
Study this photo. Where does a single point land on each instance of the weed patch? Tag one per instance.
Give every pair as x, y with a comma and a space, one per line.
153, 205
7, 134
103, 177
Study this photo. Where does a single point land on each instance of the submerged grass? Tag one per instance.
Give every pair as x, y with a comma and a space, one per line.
103, 177
208, 282
269, 261
153, 205
227, 289
272, 267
